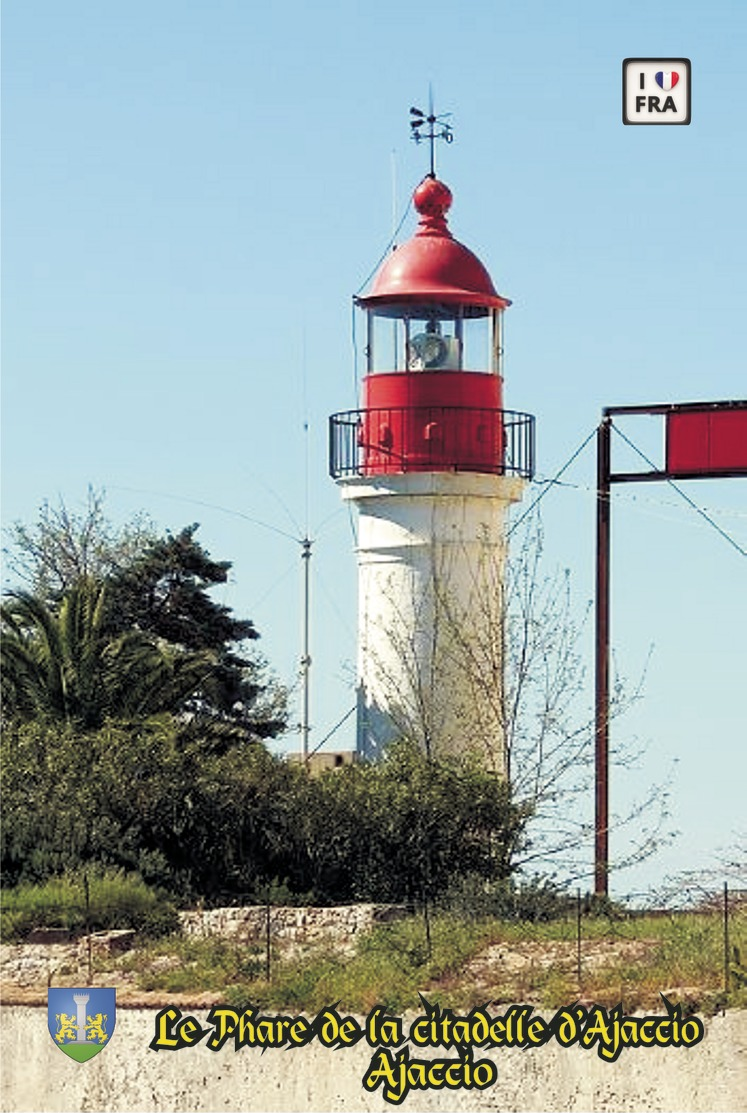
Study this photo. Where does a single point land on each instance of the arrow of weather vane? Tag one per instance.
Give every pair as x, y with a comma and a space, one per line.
435, 127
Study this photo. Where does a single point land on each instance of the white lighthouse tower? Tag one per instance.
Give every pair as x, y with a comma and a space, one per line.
432, 462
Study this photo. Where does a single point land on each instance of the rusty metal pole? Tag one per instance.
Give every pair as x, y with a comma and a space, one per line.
602, 662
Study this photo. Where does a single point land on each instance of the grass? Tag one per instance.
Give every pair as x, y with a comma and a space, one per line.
630, 959
389, 968
177, 964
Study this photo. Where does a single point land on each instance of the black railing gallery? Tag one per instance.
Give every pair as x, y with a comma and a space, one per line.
424, 438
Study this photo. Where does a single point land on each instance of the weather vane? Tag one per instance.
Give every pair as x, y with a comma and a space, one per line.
437, 128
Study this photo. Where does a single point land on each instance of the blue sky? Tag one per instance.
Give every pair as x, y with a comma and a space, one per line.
192, 192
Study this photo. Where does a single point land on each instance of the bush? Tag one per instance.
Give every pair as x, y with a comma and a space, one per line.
146, 799
117, 900
537, 900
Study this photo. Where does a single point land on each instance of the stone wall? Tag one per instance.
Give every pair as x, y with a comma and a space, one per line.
339, 924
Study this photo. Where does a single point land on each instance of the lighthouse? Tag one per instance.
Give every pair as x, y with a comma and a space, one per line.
432, 461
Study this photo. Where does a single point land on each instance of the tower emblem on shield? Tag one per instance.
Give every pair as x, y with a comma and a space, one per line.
81, 1021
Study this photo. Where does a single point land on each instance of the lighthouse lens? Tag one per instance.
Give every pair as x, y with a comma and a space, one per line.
427, 352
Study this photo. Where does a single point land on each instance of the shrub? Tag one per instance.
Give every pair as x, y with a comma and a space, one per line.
148, 799
116, 900
537, 900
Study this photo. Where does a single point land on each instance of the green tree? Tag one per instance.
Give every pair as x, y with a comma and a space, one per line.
121, 623
65, 663
164, 593
65, 545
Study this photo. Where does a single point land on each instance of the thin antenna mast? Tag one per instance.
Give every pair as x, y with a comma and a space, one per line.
437, 129
306, 658
306, 544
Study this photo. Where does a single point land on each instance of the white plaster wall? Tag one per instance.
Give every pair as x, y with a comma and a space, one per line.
431, 554
127, 1075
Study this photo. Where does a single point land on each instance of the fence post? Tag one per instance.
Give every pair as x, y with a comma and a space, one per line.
87, 891
727, 979
267, 932
578, 936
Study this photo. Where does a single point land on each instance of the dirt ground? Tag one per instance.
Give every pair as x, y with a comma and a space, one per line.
27, 970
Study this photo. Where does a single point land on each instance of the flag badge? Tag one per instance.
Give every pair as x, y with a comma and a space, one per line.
81, 1021
657, 91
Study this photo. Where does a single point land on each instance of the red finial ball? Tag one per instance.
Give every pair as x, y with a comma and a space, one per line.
432, 198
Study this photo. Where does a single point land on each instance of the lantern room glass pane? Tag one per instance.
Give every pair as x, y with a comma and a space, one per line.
478, 351
385, 343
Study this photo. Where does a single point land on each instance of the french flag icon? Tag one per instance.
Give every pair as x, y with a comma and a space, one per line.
667, 80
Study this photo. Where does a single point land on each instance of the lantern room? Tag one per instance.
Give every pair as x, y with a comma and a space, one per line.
433, 390
433, 306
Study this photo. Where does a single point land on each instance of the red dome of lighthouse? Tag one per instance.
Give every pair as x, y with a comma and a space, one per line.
432, 266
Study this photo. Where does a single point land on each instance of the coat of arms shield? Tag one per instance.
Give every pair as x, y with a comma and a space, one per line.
81, 1021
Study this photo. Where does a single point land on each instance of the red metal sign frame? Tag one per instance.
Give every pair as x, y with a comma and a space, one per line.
705, 440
